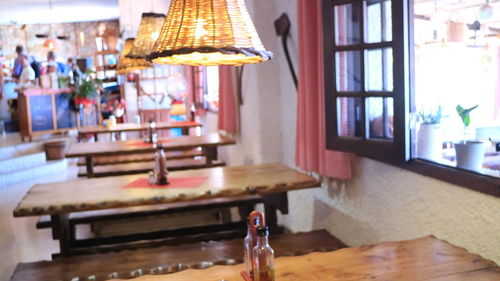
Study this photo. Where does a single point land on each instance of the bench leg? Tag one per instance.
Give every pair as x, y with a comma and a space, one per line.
210, 155
89, 163
245, 210
273, 203
61, 230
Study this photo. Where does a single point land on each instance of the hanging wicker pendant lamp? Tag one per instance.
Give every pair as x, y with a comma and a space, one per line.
149, 30
208, 32
126, 65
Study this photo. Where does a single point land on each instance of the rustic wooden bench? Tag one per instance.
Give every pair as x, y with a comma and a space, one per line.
145, 167
167, 259
133, 236
143, 157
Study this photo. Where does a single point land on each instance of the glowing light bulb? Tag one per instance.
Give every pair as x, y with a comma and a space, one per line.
200, 28
155, 35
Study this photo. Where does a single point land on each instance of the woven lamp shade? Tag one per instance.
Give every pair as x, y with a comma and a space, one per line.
126, 65
149, 30
208, 32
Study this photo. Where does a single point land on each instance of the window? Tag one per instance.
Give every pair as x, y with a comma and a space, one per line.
365, 101
457, 64
211, 89
391, 64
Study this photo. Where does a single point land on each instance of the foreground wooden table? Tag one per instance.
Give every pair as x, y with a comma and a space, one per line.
167, 258
61, 198
421, 259
132, 127
208, 143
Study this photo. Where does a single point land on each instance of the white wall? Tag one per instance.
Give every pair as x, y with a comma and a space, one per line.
131, 11
381, 202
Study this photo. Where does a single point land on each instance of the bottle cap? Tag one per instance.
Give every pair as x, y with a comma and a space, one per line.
262, 231
256, 220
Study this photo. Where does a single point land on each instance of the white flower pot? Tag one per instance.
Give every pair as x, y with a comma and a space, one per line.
430, 142
470, 155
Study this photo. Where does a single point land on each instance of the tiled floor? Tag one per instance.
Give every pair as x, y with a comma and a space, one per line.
20, 241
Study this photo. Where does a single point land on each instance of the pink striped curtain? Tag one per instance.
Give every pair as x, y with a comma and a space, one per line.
228, 107
311, 152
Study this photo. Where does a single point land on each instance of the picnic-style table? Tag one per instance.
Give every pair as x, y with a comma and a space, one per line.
208, 143
133, 127
60, 199
423, 259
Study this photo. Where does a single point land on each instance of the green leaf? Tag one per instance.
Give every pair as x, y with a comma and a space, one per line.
465, 113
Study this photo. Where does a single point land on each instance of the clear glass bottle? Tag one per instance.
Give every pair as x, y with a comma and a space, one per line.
161, 171
152, 133
248, 245
263, 256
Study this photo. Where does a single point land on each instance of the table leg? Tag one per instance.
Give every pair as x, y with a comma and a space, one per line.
61, 230
273, 203
89, 162
210, 153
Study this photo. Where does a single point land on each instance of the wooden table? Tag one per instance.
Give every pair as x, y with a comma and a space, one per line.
208, 143
167, 258
271, 181
132, 127
424, 259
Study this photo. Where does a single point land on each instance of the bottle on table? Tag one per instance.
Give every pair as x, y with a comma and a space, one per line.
152, 133
249, 244
263, 256
161, 171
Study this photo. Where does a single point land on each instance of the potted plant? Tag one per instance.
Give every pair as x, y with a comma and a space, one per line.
86, 91
430, 136
469, 152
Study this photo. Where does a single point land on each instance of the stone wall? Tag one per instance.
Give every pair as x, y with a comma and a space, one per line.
13, 35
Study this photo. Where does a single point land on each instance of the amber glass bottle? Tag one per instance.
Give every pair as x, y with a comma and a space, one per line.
263, 257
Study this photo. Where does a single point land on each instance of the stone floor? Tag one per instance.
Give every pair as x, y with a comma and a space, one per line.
20, 241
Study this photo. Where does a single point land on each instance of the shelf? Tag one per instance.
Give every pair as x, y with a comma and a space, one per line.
151, 78
105, 68
108, 52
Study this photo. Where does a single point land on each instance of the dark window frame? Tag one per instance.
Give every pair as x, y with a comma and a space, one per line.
396, 153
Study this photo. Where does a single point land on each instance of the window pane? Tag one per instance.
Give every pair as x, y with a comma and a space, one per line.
348, 71
349, 117
379, 70
457, 63
380, 114
378, 24
347, 24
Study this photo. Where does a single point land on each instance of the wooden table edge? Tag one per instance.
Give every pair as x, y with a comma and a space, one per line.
104, 130
249, 190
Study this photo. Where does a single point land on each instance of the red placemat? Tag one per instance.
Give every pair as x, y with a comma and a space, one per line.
143, 143
182, 182
185, 123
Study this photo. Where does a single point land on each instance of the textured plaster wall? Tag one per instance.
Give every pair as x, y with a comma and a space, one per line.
381, 202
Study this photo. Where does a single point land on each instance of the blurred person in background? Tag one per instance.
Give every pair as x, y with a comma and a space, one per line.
61, 68
18, 68
27, 76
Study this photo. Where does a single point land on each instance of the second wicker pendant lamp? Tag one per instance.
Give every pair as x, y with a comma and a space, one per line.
148, 33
